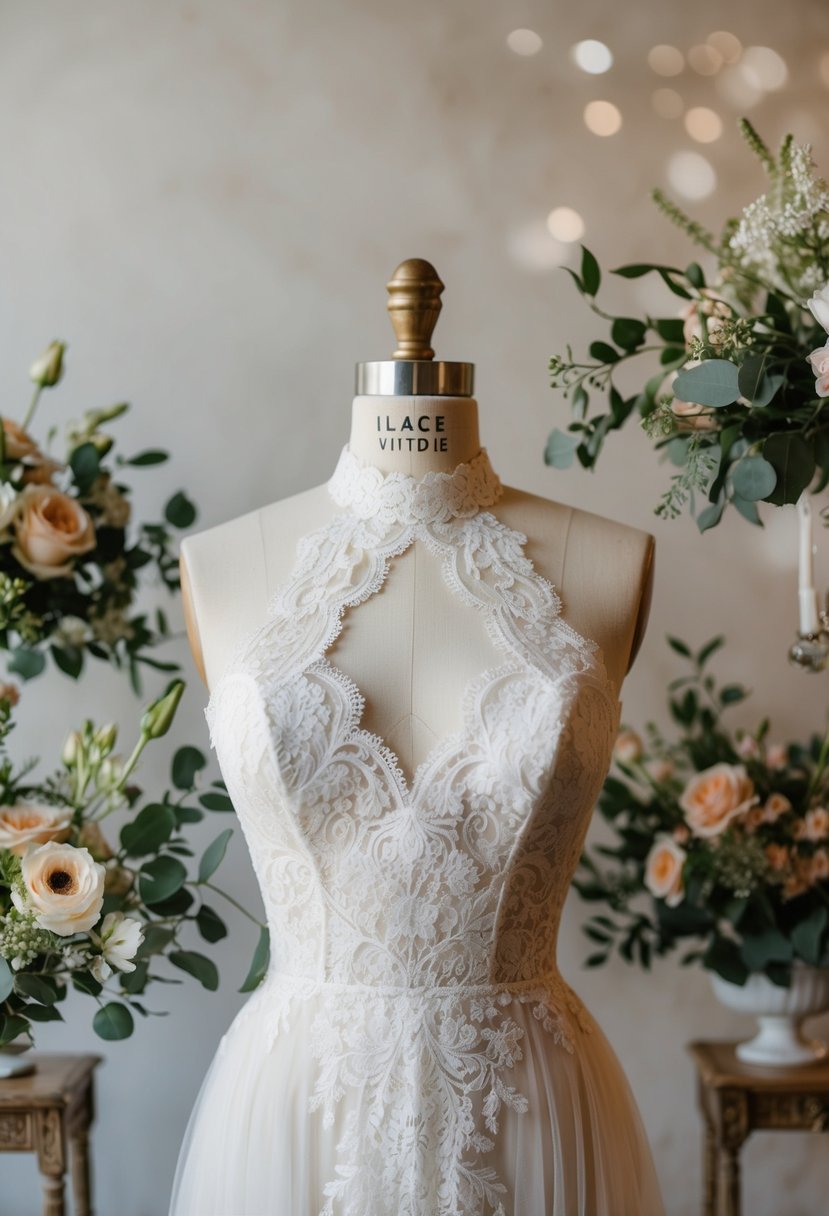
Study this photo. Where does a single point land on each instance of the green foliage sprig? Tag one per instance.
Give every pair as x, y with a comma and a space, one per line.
734, 403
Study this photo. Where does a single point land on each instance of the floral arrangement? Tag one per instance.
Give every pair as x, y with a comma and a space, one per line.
76, 910
68, 572
722, 841
739, 400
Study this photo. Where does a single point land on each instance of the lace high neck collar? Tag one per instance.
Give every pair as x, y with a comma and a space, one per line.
432, 498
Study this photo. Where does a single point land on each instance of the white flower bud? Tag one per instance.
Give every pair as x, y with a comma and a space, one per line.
48, 368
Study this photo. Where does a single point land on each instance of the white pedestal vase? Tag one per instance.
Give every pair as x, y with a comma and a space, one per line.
13, 1061
780, 1013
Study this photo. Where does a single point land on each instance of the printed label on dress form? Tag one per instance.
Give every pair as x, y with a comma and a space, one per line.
394, 438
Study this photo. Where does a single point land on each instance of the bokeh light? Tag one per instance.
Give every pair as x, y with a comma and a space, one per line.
602, 117
532, 247
703, 125
592, 56
728, 45
764, 68
705, 59
524, 42
565, 224
691, 175
666, 60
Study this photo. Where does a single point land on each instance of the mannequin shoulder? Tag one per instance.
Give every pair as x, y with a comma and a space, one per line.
603, 568
546, 519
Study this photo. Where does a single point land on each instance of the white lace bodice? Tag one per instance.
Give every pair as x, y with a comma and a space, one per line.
424, 908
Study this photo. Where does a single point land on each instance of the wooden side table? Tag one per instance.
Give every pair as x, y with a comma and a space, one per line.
736, 1099
43, 1110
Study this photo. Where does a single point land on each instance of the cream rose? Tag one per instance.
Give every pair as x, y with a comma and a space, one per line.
24, 823
663, 870
818, 304
819, 360
712, 798
64, 887
51, 529
628, 747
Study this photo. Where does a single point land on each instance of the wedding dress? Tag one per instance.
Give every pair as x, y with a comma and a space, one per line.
413, 1049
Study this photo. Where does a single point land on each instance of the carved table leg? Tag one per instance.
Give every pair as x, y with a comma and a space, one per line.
80, 1173
53, 1196
710, 1163
733, 1130
51, 1160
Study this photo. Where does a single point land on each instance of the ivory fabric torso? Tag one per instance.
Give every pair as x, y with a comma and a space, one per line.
413, 983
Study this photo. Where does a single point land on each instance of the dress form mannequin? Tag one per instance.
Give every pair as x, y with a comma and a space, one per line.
412, 648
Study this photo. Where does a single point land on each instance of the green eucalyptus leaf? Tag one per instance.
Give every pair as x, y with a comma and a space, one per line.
560, 449
150, 456
259, 962
808, 933
590, 274
711, 515
628, 333
603, 352
186, 763
767, 947
748, 510
161, 878
26, 663
713, 383
36, 988
152, 827
113, 1021
210, 924
757, 384
198, 965
213, 855
753, 478
672, 330
794, 464
215, 801
6, 979
180, 511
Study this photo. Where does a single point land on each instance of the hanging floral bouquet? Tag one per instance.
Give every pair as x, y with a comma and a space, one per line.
68, 571
76, 910
722, 842
740, 401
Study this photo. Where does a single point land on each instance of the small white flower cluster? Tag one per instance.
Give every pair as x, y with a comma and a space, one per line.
769, 233
22, 939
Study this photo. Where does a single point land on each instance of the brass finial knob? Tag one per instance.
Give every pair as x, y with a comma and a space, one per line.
414, 306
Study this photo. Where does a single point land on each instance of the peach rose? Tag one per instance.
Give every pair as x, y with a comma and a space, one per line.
748, 748
775, 806
663, 870
51, 529
24, 824
819, 360
628, 747
64, 887
712, 798
660, 770
681, 834
91, 837
816, 824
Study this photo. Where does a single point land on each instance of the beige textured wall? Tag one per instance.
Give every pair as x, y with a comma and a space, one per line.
205, 200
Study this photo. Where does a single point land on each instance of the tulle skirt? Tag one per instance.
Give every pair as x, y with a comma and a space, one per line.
569, 1139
